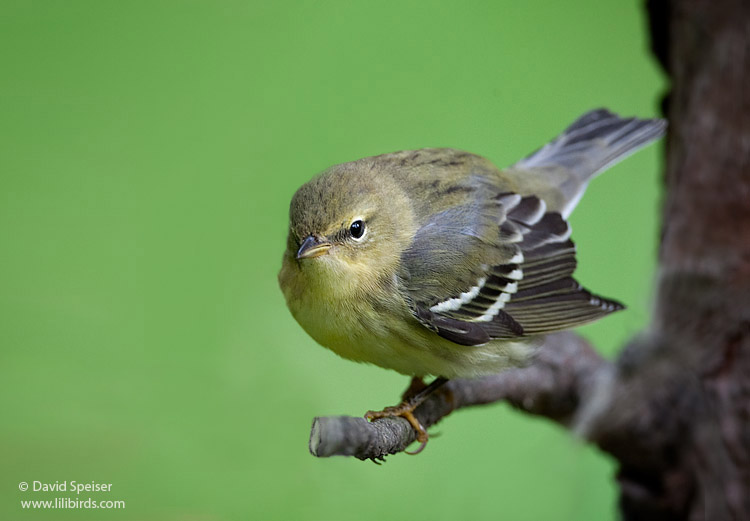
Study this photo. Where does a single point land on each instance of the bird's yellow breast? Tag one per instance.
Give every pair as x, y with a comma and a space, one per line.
373, 324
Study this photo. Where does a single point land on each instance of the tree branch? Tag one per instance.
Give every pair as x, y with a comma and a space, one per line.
553, 386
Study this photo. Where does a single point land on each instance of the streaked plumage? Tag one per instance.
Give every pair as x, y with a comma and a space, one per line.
461, 267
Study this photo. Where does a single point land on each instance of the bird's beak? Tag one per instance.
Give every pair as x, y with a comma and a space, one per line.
313, 247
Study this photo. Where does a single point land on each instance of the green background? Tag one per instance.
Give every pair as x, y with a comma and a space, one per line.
148, 153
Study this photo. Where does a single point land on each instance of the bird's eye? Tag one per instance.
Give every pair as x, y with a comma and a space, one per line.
357, 229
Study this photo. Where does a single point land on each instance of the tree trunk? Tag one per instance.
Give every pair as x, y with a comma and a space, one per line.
680, 420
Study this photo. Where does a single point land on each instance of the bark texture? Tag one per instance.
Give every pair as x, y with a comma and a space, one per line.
674, 409
680, 421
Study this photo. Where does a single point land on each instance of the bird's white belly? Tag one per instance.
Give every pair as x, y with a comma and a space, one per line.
401, 343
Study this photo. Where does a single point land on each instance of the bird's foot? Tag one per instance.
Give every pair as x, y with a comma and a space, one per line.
412, 398
404, 410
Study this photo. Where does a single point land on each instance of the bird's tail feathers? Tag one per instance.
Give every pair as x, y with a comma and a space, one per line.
591, 144
594, 142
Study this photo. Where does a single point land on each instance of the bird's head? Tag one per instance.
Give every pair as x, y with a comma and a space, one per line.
348, 227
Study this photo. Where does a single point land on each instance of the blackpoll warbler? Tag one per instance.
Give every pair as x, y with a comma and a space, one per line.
434, 262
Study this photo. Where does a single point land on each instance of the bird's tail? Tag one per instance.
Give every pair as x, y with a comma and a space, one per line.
591, 144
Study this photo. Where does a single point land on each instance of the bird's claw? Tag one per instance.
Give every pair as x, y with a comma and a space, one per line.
404, 410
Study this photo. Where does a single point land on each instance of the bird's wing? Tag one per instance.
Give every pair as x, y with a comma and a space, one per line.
497, 268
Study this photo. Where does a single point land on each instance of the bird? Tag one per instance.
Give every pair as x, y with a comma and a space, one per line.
436, 263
